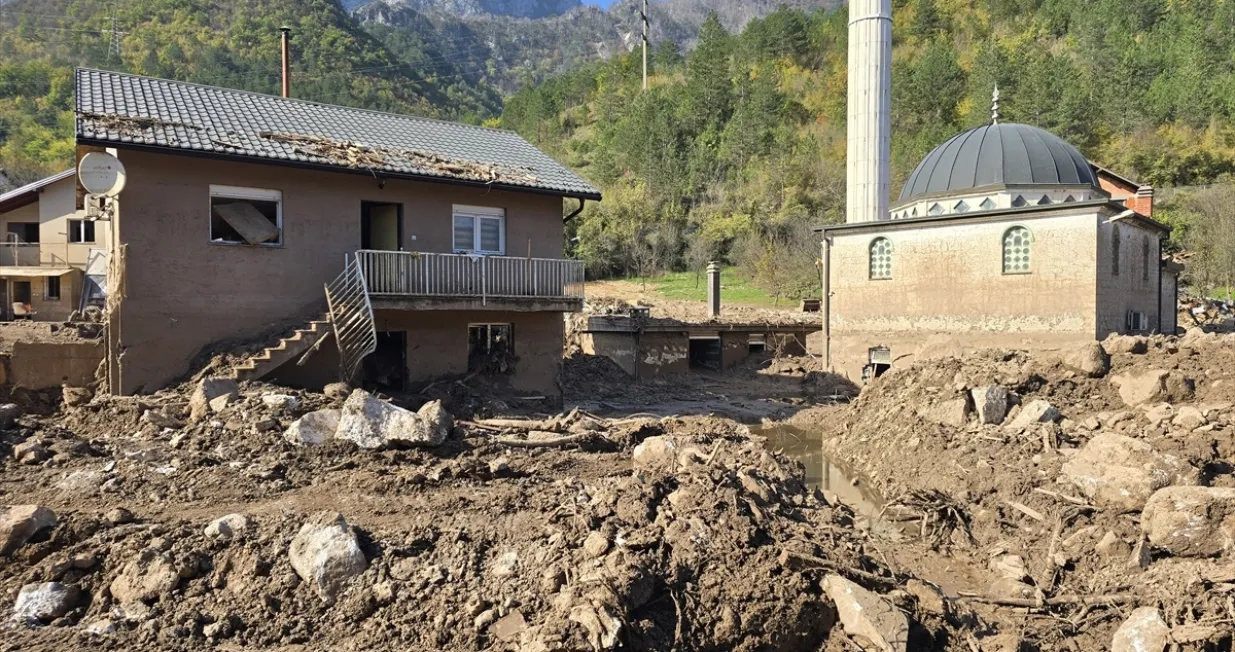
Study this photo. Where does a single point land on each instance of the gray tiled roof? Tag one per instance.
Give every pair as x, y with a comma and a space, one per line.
121, 109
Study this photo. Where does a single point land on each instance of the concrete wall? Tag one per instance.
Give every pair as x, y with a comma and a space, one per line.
437, 344
662, 354
238, 290
949, 278
1132, 289
619, 347
1169, 310
44, 365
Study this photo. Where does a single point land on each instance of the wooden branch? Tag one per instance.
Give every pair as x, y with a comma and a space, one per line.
543, 443
1034, 603
853, 573
1064, 497
1027, 511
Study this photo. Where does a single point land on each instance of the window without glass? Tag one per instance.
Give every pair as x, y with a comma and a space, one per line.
881, 259
1115, 251
491, 348
51, 291
81, 231
251, 216
1016, 246
479, 230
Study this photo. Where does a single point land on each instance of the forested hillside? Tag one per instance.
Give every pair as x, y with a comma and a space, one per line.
738, 148
233, 43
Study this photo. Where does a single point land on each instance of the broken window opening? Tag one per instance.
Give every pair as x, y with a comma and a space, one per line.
246, 216
491, 349
386, 367
23, 232
705, 353
756, 344
879, 361
51, 291
1115, 250
479, 230
81, 231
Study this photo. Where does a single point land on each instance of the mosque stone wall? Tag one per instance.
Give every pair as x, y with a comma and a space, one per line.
1135, 288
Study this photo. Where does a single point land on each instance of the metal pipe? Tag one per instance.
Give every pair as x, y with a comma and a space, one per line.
287, 76
575, 214
825, 302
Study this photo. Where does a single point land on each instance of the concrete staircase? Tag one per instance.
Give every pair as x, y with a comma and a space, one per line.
289, 348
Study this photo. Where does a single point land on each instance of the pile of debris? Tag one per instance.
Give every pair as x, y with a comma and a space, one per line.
1085, 484
248, 515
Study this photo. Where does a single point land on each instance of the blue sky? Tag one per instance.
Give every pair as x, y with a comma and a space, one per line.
599, 3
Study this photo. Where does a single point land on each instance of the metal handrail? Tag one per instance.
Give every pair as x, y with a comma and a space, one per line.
402, 273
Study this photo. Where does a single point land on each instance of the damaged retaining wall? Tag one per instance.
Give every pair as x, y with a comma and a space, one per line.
46, 365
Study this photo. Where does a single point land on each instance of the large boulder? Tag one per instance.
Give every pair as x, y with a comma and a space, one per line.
145, 578
1125, 344
1036, 411
326, 554
1089, 359
953, 412
21, 522
1138, 388
232, 526
313, 429
1143, 631
43, 603
1191, 521
212, 395
868, 615
655, 454
370, 422
1121, 473
991, 403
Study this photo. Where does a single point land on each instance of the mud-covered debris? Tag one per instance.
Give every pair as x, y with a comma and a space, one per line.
326, 554
145, 578
281, 402
212, 395
160, 419
1036, 411
1191, 521
868, 615
9, 412
991, 403
1130, 344
19, 523
1120, 472
314, 428
1189, 418
31, 452
43, 603
1143, 631
101, 627
130, 125
658, 453
596, 544
76, 396
231, 526
1140, 387
953, 412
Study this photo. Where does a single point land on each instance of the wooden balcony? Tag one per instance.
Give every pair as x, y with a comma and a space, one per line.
424, 281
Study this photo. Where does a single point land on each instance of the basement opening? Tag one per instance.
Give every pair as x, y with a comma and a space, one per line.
705, 352
491, 349
756, 344
386, 368
879, 362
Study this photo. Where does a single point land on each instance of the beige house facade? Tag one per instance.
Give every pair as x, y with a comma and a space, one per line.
49, 244
1014, 246
441, 253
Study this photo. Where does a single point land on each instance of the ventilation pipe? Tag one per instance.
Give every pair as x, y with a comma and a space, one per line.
869, 149
713, 289
287, 75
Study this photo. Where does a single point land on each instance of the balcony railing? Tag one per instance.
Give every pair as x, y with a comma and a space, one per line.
401, 273
19, 255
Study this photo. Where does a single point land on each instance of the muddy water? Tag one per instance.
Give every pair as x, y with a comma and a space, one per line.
830, 476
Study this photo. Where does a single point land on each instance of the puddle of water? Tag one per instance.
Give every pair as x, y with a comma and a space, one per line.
828, 475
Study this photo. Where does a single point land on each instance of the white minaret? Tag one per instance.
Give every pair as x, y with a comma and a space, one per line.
870, 110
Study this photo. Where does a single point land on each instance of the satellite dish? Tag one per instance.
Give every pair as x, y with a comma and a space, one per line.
101, 174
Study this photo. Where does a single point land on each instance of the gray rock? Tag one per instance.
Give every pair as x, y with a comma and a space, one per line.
19, 523
1158, 413
232, 526
313, 429
868, 615
991, 403
159, 419
1009, 566
1143, 631
372, 423
1191, 521
1036, 411
595, 545
655, 453
281, 401
31, 452
1138, 388
1089, 359
43, 603
1189, 418
207, 395
326, 554
101, 627
1140, 558
145, 578
9, 412
954, 412
1125, 344
1111, 546
76, 396
1120, 472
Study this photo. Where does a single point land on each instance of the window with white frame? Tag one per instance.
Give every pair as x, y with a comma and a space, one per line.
81, 231
479, 230
246, 216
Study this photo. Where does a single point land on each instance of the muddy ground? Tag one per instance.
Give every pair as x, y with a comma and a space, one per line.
654, 518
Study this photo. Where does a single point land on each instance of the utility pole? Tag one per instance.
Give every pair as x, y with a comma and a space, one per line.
644, 16
114, 46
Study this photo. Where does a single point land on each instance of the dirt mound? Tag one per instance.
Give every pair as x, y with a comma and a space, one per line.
681, 533
1032, 474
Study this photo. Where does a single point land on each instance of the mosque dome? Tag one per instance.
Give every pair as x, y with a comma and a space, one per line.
1010, 155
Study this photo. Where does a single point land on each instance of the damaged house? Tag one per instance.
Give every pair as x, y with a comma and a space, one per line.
390, 249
